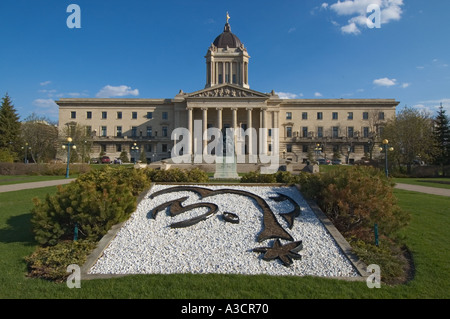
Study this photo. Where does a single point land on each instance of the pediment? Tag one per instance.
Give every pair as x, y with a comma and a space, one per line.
227, 91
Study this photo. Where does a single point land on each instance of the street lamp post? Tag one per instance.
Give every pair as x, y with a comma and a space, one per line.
69, 146
135, 150
385, 148
26, 152
318, 150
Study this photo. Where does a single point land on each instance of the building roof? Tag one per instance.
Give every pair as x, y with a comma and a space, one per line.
227, 39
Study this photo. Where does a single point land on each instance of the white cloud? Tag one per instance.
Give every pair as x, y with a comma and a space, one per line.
405, 85
287, 95
44, 103
115, 91
390, 10
432, 106
385, 82
47, 106
292, 30
324, 5
318, 94
350, 29
45, 83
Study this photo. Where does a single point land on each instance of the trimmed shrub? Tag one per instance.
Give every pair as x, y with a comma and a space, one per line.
256, 177
282, 177
355, 199
51, 262
177, 175
95, 202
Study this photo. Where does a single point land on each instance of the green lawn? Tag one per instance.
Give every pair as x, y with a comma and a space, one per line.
427, 237
429, 182
18, 179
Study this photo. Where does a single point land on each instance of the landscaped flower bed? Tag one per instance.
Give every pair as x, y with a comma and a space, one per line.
258, 241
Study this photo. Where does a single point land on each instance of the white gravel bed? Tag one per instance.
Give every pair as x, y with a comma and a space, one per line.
150, 246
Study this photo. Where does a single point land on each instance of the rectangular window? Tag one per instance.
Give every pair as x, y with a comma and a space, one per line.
103, 147
104, 131
133, 131
319, 115
73, 115
165, 115
119, 115
119, 131
88, 115
164, 148
149, 131
365, 115
134, 115
104, 115
288, 115
335, 116
305, 148
289, 131
289, 148
335, 131
381, 116
164, 131
304, 115
320, 131
350, 131
270, 132
365, 132
118, 147
366, 148
350, 116
304, 131
88, 130
148, 148
149, 115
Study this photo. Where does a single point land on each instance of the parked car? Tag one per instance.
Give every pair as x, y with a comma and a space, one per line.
336, 162
95, 161
323, 161
105, 160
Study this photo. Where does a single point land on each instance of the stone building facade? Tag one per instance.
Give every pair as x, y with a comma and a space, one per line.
307, 128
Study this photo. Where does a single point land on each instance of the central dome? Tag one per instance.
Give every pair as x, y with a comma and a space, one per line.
227, 39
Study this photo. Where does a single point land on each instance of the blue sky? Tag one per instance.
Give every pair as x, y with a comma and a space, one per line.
152, 49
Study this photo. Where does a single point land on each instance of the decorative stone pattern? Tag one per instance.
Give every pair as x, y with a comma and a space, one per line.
148, 244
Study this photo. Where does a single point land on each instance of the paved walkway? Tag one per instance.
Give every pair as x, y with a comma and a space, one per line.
22, 186
424, 189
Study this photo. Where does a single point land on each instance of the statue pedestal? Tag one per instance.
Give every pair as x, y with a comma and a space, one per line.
226, 168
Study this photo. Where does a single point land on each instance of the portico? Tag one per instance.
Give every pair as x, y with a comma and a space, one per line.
229, 112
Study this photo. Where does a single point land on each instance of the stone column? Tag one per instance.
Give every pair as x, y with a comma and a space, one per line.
263, 138
249, 127
231, 72
219, 118
204, 128
275, 119
191, 132
234, 112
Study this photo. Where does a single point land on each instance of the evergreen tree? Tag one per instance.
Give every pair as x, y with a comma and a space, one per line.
442, 133
9, 127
